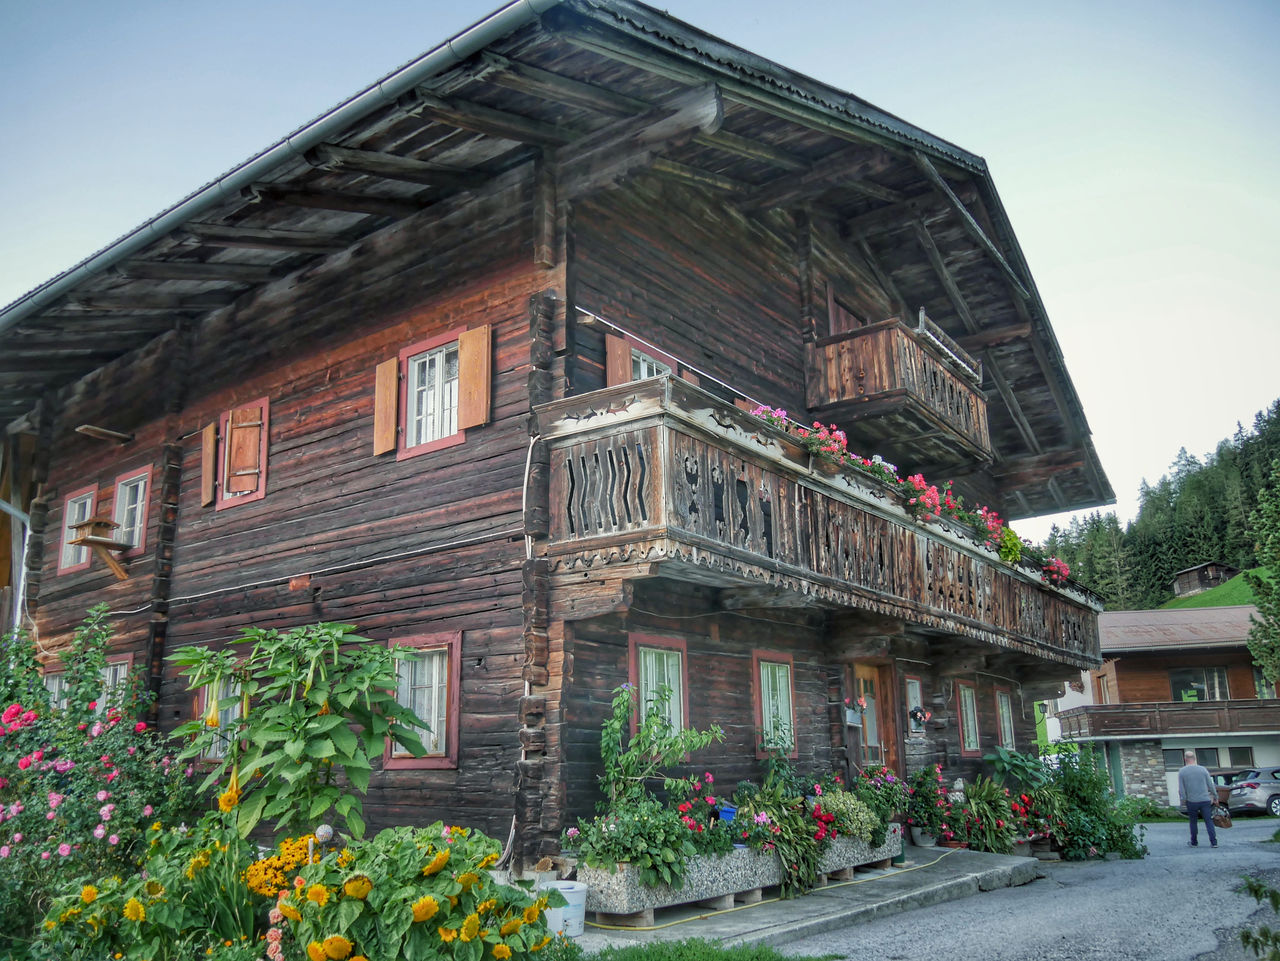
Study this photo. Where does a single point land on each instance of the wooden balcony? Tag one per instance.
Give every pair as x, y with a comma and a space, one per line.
1163, 718
909, 389
661, 477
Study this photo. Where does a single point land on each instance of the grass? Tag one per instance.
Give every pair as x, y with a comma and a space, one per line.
692, 949
1235, 591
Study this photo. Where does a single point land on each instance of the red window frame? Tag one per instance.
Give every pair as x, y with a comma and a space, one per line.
450, 641
960, 723
637, 641
459, 436
147, 472
223, 500
65, 537
757, 693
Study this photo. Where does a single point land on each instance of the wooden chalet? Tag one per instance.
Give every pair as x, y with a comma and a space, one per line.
468, 362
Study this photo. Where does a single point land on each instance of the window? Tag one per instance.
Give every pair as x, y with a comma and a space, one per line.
58, 688
234, 456
1004, 716
1207, 756
1172, 759
657, 664
428, 396
915, 699
115, 681
627, 359
1198, 683
1263, 687
228, 714
429, 685
1240, 756
78, 507
774, 702
131, 508
967, 696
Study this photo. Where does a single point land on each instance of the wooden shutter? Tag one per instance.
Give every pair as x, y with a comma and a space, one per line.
475, 373
244, 442
617, 366
208, 464
386, 394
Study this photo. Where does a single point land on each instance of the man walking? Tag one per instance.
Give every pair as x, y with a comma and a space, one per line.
1196, 790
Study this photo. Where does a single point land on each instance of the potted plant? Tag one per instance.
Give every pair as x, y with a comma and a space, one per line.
927, 805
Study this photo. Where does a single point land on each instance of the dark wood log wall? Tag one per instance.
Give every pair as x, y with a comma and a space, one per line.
322, 544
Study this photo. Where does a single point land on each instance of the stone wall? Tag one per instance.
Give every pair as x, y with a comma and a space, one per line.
1142, 764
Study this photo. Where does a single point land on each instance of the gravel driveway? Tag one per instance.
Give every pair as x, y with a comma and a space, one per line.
1176, 904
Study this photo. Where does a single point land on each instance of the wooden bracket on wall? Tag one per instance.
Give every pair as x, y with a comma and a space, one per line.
95, 533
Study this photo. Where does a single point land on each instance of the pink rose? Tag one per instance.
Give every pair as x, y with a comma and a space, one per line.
4, 850
146, 811
114, 839
64, 849
274, 935
102, 796
24, 763
140, 727
100, 831
44, 855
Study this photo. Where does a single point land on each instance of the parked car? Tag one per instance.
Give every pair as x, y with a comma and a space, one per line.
1222, 780
1257, 789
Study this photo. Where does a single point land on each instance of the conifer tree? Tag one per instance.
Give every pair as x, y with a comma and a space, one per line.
1264, 635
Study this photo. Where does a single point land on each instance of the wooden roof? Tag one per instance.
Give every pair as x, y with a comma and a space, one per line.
1176, 629
546, 78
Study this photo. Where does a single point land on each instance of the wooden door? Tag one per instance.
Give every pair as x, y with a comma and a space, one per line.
879, 734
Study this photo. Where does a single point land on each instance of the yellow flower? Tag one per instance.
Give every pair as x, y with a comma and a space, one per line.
453, 900
154, 888
211, 715
425, 908
315, 951
154, 827
486, 861
485, 906
437, 862
467, 879
134, 911
531, 914
337, 947
357, 887
289, 911
511, 927
359, 957
501, 952
345, 858
88, 894
541, 944
228, 800
319, 894
447, 934
470, 927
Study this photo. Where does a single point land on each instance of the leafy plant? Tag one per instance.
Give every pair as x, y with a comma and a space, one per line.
852, 818
1018, 772
295, 752
1264, 940
988, 817
643, 833
1092, 823
880, 789
787, 829
928, 806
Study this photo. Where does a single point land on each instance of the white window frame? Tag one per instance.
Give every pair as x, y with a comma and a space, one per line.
132, 529
915, 698
76, 509
655, 667
428, 671
967, 708
644, 366
55, 682
431, 409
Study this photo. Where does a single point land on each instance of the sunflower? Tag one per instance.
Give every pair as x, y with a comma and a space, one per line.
470, 927
315, 952
437, 863
357, 887
541, 944
289, 911
468, 879
531, 914
486, 861
134, 911
319, 894
511, 927
336, 947
88, 894
447, 934
502, 952
425, 908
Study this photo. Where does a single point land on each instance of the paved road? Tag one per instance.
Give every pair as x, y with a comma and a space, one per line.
1177, 904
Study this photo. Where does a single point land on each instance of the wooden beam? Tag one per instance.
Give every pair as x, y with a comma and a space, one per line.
994, 337
895, 216
944, 277
1037, 468
752, 150
257, 238
197, 271
151, 300
970, 225
553, 86
844, 165
1011, 402
885, 279
605, 156
344, 201
673, 170
485, 120
872, 189
544, 213
393, 167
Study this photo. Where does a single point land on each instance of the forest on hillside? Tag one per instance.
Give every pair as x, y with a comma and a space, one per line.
1200, 511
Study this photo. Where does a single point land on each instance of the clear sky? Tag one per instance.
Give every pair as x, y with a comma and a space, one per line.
1134, 145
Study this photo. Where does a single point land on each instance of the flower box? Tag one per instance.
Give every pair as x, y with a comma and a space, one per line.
714, 876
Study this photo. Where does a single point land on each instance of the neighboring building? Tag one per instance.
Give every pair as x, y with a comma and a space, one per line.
1176, 680
464, 361
1201, 577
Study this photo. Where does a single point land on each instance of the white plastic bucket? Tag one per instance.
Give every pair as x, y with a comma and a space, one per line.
570, 919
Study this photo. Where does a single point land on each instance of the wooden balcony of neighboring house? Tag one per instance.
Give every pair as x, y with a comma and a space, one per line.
1165, 718
910, 388
660, 478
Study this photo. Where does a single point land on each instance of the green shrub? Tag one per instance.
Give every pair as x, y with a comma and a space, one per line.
988, 818
853, 818
928, 806
1093, 822
643, 833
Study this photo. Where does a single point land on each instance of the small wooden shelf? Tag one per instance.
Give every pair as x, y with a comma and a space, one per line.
95, 533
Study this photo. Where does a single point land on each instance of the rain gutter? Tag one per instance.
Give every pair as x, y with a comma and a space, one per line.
452, 51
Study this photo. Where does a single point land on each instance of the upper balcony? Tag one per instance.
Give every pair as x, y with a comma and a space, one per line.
661, 475
912, 389
1162, 718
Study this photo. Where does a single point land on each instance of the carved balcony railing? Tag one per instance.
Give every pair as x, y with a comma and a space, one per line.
909, 387
1161, 718
660, 472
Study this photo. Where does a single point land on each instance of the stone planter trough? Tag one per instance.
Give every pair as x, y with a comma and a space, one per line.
717, 880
